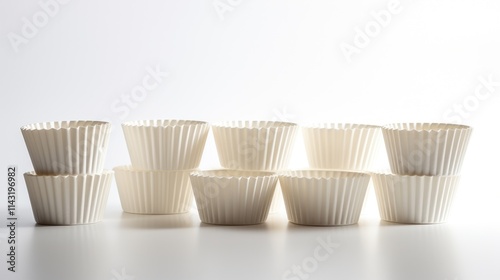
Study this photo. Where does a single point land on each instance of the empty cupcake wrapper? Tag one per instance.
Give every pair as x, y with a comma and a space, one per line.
68, 199
233, 197
165, 144
154, 192
342, 146
68, 147
254, 145
426, 148
414, 199
323, 198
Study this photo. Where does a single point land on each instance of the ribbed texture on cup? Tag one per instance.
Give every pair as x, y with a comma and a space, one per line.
68, 147
154, 192
68, 199
426, 148
342, 146
323, 198
414, 199
165, 144
254, 145
232, 197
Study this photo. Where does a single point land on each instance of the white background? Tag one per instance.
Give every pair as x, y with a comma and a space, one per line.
269, 60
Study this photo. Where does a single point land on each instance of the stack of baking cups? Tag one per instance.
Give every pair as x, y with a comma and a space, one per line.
69, 185
251, 153
332, 193
163, 154
425, 160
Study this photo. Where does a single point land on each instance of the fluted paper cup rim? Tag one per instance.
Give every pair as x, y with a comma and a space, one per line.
33, 174
424, 126
232, 174
389, 174
62, 125
163, 123
338, 126
314, 174
132, 169
253, 124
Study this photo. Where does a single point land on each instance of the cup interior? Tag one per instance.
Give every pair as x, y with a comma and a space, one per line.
425, 126
339, 126
163, 123
253, 124
230, 173
131, 169
323, 174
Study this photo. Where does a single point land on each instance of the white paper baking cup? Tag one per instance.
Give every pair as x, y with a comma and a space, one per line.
154, 192
233, 197
68, 199
426, 148
342, 146
165, 144
254, 145
67, 147
414, 199
323, 197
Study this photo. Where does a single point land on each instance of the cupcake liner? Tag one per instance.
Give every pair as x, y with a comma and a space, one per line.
426, 148
322, 197
233, 197
414, 199
68, 199
154, 192
67, 147
254, 145
342, 146
165, 144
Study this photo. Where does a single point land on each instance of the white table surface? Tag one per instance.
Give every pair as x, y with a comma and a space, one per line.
128, 246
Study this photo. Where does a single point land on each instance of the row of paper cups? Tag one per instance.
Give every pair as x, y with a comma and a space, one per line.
164, 154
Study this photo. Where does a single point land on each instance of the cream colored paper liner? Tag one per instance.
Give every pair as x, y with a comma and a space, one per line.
342, 146
254, 145
154, 192
414, 199
426, 148
165, 144
68, 147
68, 199
323, 198
233, 197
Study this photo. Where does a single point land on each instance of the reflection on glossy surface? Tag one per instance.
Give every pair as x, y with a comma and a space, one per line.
58, 252
317, 251
417, 251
